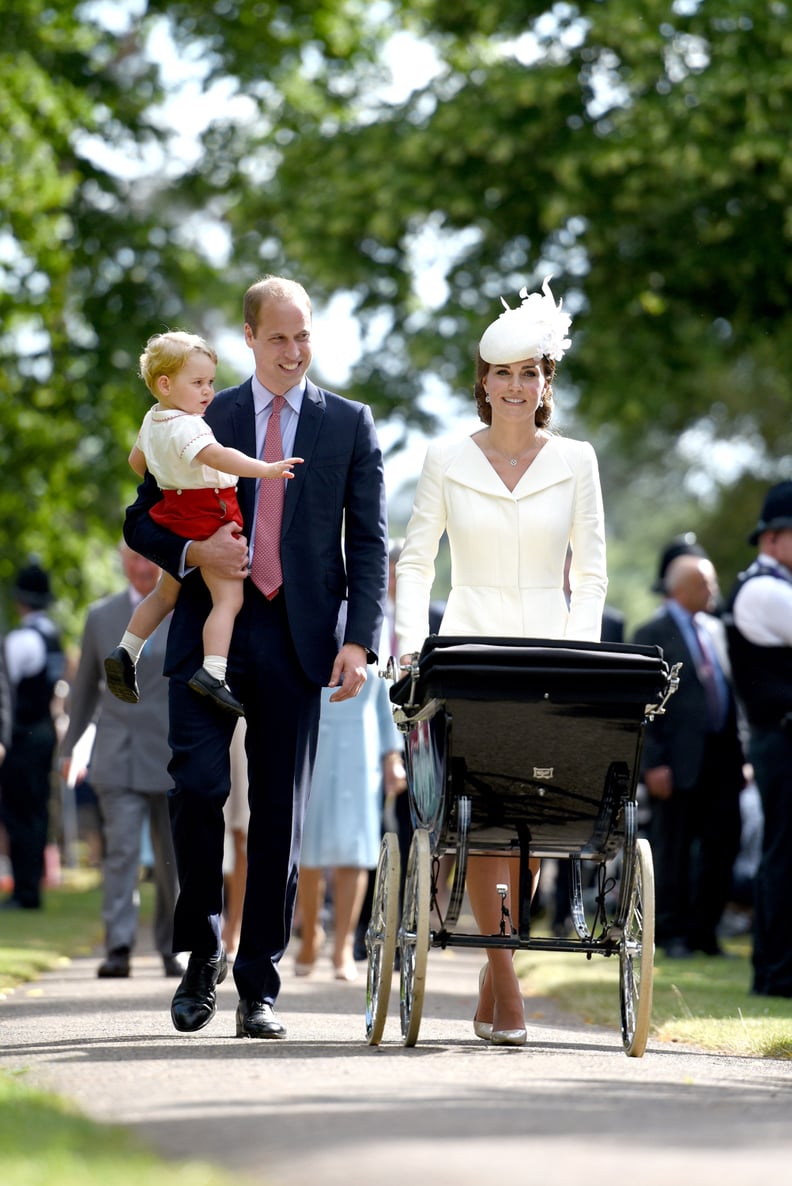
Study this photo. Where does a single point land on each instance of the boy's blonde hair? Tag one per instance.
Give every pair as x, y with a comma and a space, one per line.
166, 354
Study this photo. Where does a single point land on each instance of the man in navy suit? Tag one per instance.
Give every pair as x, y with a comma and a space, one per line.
692, 764
321, 628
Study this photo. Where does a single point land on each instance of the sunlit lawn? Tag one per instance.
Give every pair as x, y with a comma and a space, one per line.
31, 941
43, 1140
704, 1001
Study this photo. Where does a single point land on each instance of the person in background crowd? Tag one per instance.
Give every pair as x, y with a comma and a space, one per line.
6, 712
128, 771
685, 544
692, 765
513, 498
759, 629
5, 741
237, 818
34, 662
359, 755
612, 625
311, 618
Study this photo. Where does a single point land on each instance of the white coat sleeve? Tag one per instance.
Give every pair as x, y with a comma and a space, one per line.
415, 568
588, 573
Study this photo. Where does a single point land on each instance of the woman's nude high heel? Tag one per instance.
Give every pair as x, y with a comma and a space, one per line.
508, 1037
516, 1037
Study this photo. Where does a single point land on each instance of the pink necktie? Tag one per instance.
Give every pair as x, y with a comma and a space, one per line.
265, 570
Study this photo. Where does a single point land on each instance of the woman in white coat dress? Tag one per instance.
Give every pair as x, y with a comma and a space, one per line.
513, 498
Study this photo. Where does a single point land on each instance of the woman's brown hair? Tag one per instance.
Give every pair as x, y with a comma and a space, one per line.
543, 413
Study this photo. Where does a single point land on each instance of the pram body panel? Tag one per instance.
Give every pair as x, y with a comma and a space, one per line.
541, 735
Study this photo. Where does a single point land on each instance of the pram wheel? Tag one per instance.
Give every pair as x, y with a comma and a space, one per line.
414, 936
381, 937
636, 955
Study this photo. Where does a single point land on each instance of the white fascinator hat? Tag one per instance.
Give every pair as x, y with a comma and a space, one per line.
536, 328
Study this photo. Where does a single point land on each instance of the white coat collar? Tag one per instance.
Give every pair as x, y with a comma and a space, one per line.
469, 467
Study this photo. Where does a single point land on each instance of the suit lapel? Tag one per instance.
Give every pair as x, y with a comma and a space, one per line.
674, 631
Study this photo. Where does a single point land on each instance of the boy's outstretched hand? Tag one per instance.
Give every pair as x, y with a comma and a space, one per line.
282, 469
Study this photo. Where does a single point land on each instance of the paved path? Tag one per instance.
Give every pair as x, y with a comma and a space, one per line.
324, 1108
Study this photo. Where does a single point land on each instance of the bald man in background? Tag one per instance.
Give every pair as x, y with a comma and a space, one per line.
692, 765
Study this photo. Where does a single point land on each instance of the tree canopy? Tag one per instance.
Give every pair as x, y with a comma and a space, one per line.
92, 264
635, 149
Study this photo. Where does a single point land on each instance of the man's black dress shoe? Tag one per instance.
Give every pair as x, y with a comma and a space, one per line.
115, 966
256, 1019
121, 677
206, 685
195, 1001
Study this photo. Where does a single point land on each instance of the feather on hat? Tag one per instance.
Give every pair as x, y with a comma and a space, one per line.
536, 328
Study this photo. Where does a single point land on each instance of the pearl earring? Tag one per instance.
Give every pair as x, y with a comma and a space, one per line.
541, 403
486, 399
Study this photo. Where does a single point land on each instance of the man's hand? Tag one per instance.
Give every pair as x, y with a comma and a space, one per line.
226, 552
66, 769
659, 782
349, 672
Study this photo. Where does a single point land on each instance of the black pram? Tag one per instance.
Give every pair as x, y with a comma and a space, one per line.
527, 746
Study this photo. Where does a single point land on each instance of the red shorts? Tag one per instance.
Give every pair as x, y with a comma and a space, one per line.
197, 514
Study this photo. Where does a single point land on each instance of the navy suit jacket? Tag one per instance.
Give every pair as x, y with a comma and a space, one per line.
334, 536
678, 737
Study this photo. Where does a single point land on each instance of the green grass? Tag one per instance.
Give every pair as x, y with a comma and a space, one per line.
70, 924
43, 1139
703, 1002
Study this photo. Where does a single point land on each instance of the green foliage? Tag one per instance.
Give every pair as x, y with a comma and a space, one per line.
635, 149
90, 268
631, 152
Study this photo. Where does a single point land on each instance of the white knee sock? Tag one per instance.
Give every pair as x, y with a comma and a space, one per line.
216, 666
132, 644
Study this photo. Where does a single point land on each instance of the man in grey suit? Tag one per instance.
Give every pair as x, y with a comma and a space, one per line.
128, 770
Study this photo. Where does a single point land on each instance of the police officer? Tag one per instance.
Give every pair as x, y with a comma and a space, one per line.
35, 662
759, 628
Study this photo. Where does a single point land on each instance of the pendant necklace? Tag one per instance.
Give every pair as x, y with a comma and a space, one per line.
513, 461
